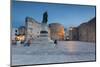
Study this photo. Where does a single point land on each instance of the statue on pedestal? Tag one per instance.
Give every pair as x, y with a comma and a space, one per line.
45, 17
44, 26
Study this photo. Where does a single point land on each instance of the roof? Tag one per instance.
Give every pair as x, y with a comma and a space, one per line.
31, 20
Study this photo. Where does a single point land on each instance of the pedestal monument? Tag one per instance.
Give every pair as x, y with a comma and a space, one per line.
44, 39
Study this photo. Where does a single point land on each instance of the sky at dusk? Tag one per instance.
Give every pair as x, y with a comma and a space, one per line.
67, 15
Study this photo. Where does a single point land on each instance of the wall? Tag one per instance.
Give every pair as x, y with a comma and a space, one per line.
32, 28
87, 31
56, 31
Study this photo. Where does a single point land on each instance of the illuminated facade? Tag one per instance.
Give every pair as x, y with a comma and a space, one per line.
56, 31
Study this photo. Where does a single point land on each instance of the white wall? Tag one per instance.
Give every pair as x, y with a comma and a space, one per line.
35, 29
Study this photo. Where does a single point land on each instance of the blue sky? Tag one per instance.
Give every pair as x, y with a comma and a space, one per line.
67, 15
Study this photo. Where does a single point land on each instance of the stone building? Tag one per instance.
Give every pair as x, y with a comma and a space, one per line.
56, 31
87, 31
14, 32
33, 28
73, 33
66, 36
22, 30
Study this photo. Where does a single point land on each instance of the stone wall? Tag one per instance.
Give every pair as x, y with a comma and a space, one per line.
32, 28
56, 31
22, 30
87, 31
73, 33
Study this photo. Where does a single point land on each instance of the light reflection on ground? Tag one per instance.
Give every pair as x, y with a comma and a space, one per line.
65, 51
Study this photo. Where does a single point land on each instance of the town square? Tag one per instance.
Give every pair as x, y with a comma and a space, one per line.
45, 33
